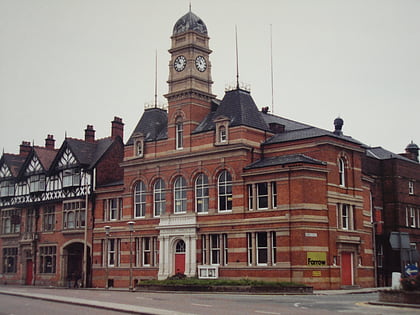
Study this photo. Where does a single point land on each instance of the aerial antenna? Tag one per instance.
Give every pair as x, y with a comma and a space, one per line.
237, 58
156, 60
271, 65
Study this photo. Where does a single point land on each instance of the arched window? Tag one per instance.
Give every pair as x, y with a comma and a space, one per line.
180, 247
159, 196
201, 193
179, 133
180, 195
139, 200
342, 172
224, 184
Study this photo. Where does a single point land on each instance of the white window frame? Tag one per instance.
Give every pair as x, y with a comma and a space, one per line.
345, 216
261, 248
7, 188
179, 134
74, 214
71, 177
139, 200
342, 172
180, 195
411, 187
37, 183
159, 198
202, 193
225, 194
262, 196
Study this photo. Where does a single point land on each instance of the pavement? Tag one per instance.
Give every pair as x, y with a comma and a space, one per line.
61, 295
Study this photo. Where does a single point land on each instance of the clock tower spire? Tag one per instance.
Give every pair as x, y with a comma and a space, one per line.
190, 83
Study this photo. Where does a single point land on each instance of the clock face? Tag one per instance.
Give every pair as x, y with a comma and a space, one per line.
180, 63
200, 63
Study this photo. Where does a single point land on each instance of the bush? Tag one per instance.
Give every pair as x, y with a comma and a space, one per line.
181, 279
411, 283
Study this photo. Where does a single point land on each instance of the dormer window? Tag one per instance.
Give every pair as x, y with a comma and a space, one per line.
138, 145
179, 133
37, 183
139, 148
222, 131
71, 177
222, 134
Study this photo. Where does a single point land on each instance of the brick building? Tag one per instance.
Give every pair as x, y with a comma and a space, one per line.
396, 204
43, 197
219, 188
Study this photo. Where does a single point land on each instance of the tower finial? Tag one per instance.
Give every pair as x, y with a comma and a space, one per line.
237, 57
190, 6
156, 105
271, 65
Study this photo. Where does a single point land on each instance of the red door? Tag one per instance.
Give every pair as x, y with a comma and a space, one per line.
29, 272
346, 268
179, 263
180, 257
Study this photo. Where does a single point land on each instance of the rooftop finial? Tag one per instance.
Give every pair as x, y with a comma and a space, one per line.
156, 105
237, 58
190, 6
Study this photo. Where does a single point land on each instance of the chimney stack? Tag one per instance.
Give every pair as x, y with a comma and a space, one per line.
50, 142
117, 129
25, 148
90, 134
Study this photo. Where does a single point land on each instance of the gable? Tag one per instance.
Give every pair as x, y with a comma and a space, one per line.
67, 159
34, 166
5, 171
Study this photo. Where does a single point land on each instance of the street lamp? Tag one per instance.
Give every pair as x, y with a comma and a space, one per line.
107, 231
131, 228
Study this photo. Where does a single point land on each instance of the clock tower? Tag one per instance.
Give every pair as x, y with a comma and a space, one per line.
190, 82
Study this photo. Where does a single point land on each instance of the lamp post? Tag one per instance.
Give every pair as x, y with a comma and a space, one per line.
131, 228
107, 231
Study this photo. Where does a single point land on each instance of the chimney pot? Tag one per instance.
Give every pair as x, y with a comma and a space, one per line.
50, 142
89, 134
117, 128
25, 148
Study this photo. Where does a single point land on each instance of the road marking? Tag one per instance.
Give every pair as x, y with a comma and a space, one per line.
205, 305
298, 305
265, 312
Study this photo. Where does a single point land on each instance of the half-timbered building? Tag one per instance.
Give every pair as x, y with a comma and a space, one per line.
46, 203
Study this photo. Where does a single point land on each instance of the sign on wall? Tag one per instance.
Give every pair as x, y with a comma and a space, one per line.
316, 258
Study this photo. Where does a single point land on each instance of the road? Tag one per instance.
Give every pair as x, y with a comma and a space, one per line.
192, 303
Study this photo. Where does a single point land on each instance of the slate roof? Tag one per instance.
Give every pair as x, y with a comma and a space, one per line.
380, 153
88, 153
153, 125
45, 156
298, 131
14, 162
189, 22
239, 107
284, 160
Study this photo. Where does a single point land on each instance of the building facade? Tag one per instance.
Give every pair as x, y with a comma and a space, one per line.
219, 188
208, 188
396, 205
46, 205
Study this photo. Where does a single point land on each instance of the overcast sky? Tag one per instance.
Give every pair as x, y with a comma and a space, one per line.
68, 63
